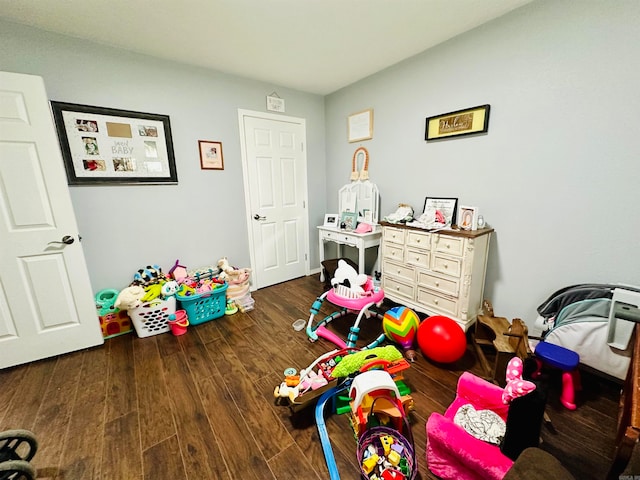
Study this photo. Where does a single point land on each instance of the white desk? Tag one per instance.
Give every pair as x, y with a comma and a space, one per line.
361, 241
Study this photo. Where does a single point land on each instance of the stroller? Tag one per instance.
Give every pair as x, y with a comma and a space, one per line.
17, 448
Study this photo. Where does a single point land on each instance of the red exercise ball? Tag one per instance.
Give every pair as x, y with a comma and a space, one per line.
441, 339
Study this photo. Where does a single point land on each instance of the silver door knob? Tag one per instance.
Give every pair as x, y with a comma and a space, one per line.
67, 240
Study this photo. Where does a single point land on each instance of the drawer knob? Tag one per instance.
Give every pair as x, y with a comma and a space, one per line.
437, 284
435, 301
398, 272
397, 289
446, 266
448, 246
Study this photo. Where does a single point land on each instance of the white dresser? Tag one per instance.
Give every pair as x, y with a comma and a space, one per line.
439, 273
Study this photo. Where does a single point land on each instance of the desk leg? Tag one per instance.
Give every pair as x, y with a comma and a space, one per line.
361, 251
321, 253
376, 265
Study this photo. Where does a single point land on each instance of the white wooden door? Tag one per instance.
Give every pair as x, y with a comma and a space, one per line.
275, 172
46, 302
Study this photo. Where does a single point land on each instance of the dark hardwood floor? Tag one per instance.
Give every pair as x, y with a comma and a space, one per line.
201, 406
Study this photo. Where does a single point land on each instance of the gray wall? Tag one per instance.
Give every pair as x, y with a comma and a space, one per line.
203, 217
556, 175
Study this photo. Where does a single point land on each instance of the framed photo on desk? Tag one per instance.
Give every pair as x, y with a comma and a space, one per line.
331, 220
350, 219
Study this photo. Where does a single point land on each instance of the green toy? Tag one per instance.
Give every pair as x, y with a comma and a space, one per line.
353, 362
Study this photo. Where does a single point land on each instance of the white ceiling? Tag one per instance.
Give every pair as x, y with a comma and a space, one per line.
316, 46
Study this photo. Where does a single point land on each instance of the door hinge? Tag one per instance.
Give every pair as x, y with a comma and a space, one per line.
304, 204
305, 257
302, 147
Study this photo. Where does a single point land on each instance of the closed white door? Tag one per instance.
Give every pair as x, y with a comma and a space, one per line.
46, 302
275, 172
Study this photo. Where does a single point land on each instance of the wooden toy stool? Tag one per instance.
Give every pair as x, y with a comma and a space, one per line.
567, 361
506, 339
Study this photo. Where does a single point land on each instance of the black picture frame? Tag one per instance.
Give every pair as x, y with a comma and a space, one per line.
108, 146
448, 206
468, 121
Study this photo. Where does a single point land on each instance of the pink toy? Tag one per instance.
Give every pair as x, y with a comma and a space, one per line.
178, 272
454, 454
352, 292
516, 385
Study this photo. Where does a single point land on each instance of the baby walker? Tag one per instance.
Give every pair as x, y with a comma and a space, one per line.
353, 293
17, 448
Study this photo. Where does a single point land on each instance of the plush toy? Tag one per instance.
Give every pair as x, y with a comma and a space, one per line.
346, 275
169, 288
151, 292
516, 385
130, 298
228, 272
149, 275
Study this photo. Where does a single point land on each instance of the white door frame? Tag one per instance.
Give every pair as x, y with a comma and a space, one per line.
242, 113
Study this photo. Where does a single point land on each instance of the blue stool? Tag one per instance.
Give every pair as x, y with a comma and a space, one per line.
567, 361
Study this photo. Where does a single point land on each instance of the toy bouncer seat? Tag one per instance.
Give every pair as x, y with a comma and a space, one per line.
353, 293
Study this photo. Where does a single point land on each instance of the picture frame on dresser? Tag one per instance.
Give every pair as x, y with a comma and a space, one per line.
468, 217
331, 220
447, 205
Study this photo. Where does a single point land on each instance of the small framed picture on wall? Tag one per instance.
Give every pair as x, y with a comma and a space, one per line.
211, 155
468, 218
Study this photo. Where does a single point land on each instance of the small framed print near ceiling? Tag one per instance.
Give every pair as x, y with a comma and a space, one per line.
469, 121
360, 126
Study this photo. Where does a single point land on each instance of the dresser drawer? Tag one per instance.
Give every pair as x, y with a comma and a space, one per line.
392, 251
448, 245
395, 235
419, 240
394, 288
339, 237
398, 270
447, 265
446, 306
419, 258
440, 284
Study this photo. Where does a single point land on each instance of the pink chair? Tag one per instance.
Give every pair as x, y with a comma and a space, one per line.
454, 454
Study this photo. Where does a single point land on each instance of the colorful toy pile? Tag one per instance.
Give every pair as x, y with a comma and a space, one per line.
384, 454
150, 299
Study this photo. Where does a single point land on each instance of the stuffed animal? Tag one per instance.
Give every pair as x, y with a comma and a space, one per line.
130, 298
169, 288
346, 275
149, 275
228, 272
